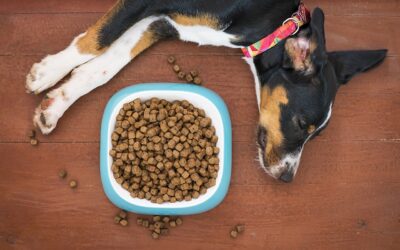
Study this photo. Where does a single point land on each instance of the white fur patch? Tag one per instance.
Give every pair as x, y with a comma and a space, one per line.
292, 161
53, 68
91, 75
203, 35
250, 62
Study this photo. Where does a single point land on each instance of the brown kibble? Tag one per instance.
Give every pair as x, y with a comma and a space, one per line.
171, 59
156, 218
240, 228
164, 231
172, 223
139, 221
164, 151
34, 142
117, 219
176, 68
123, 214
73, 184
123, 223
62, 174
181, 75
178, 221
194, 73
145, 223
155, 235
234, 234
197, 80
166, 219
189, 78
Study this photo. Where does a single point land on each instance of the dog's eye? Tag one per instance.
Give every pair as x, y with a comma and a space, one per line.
300, 122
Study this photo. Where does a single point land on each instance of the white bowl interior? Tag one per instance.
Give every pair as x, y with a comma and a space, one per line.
198, 101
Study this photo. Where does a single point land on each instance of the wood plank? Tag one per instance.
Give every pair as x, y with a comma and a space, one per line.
298, 215
366, 109
337, 7
55, 32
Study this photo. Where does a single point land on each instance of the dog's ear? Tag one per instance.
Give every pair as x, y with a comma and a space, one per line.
318, 26
349, 63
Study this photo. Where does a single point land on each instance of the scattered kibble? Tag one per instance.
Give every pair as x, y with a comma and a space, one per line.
34, 142
123, 222
171, 59
191, 77
197, 80
73, 184
234, 234
117, 219
159, 225
240, 228
176, 68
62, 174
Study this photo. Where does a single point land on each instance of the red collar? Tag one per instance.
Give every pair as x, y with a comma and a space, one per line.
289, 27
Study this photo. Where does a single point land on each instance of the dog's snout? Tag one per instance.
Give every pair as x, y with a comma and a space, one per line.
287, 176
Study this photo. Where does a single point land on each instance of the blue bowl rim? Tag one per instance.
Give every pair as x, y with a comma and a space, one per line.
222, 190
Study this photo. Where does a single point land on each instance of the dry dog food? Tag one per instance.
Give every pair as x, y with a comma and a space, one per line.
32, 137
191, 77
121, 218
159, 225
62, 174
239, 228
73, 184
164, 151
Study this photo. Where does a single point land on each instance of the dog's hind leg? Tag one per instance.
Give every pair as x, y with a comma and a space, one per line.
86, 46
100, 70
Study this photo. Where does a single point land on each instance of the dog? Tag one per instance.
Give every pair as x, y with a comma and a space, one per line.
296, 80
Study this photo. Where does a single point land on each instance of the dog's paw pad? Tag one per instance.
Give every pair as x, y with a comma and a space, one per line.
45, 120
42, 76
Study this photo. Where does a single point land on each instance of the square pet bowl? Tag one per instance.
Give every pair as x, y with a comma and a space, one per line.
200, 97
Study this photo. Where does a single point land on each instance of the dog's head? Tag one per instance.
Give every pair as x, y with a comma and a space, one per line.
299, 83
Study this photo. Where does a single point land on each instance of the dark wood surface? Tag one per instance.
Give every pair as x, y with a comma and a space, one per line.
346, 194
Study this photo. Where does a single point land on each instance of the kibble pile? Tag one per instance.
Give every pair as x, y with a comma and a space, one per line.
164, 151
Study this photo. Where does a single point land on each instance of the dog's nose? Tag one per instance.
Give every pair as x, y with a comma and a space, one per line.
287, 176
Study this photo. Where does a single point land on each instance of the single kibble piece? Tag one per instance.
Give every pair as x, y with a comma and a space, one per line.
123, 222
176, 68
73, 184
155, 235
34, 142
181, 75
178, 221
123, 214
165, 219
139, 221
172, 223
171, 59
189, 78
240, 228
194, 73
156, 218
234, 234
117, 219
197, 80
62, 174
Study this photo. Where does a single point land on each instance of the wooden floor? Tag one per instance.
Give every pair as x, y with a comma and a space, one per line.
347, 191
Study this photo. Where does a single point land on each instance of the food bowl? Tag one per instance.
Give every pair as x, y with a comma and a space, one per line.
200, 97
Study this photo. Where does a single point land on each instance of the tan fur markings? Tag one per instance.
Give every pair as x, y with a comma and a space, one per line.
89, 43
202, 20
311, 129
300, 54
270, 115
148, 38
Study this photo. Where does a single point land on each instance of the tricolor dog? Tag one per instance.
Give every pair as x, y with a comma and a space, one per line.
296, 77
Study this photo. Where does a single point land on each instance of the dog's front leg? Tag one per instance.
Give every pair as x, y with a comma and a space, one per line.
94, 73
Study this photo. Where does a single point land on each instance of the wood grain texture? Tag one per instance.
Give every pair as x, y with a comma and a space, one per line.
349, 174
